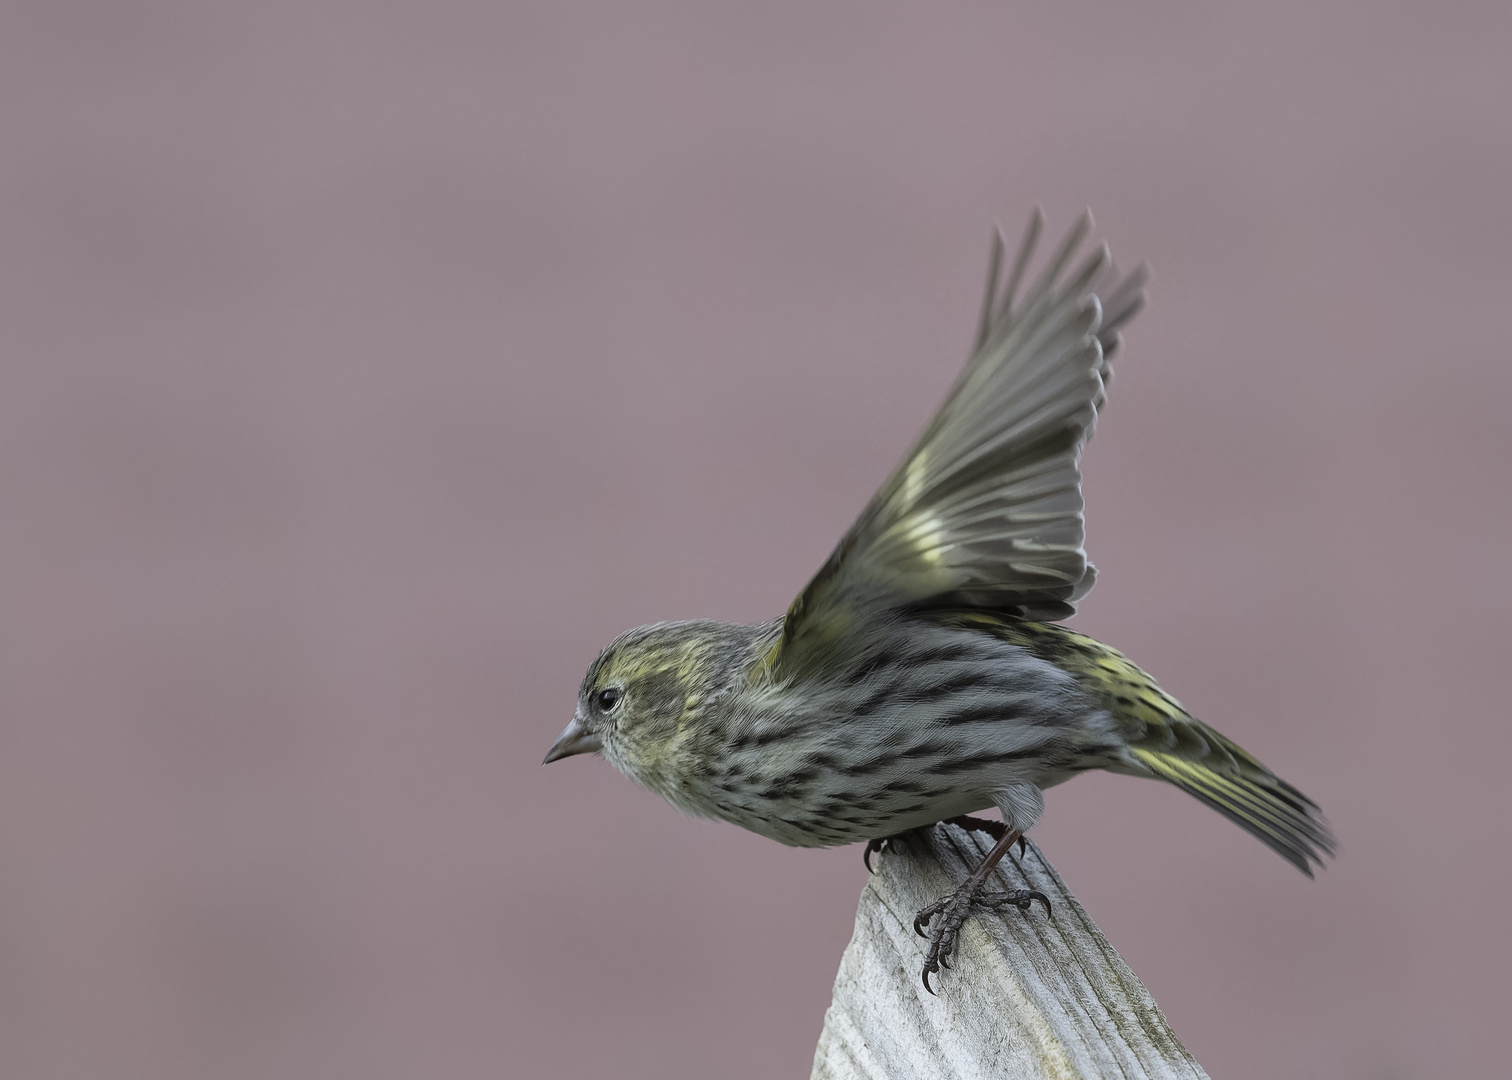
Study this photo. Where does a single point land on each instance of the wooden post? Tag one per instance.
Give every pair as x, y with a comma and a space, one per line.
1027, 996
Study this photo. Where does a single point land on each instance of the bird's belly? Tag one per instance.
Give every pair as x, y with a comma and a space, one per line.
823, 806
799, 829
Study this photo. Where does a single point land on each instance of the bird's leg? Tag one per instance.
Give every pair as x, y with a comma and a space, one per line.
954, 909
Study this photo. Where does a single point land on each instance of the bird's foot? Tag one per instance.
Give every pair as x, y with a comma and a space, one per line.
953, 911
874, 847
877, 846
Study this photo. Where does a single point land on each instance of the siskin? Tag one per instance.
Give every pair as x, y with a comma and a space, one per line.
921, 675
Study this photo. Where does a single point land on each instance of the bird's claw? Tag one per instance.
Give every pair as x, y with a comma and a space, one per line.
1022, 899
953, 911
921, 920
874, 847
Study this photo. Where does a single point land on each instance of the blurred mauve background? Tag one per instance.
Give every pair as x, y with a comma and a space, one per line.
368, 366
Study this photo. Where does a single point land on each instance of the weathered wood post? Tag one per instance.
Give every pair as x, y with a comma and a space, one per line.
1026, 997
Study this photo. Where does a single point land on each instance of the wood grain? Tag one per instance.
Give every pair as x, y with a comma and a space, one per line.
1028, 995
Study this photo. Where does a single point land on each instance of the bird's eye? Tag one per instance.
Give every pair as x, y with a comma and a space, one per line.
608, 699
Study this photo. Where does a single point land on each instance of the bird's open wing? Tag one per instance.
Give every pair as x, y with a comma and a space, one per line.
986, 510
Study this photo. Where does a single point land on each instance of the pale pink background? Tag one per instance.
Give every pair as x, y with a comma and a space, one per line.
367, 366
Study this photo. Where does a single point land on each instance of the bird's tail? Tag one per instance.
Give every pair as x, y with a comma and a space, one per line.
1161, 739
1222, 774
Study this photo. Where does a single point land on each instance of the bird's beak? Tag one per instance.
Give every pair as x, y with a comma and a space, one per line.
574, 739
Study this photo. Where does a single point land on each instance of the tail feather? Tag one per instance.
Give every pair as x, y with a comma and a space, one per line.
1161, 739
1244, 791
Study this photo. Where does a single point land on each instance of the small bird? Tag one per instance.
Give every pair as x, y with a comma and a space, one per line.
922, 674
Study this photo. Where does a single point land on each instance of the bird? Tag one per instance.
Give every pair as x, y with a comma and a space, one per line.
924, 673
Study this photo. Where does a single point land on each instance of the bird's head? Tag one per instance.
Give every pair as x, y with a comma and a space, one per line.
647, 696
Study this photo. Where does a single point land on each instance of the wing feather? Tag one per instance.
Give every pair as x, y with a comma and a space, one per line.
985, 511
